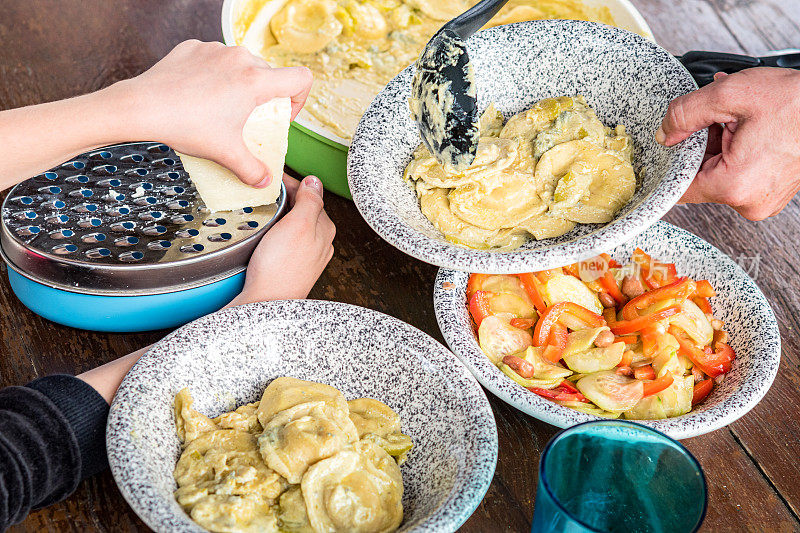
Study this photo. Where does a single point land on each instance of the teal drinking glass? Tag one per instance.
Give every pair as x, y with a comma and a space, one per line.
616, 476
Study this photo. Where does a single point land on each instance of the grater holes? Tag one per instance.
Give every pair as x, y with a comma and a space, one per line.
105, 170
151, 216
86, 193
77, 165
80, 178
28, 231
113, 196
143, 185
25, 215
126, 241
50, 189
64, 249
136, 172
121, 227
53, 204
61, 234
57, 219
187, 233
112, 182
146, 200
86, 208
100, 156
214, 222
244, 211
130, 257
92, 222
154, 230
168, 176
220, 237
192, 248
248, 225
158, 148
94, 237
178, 204
172, 191
158, 245
164, 162
24, 200
98, 253
135, 158
181, 219
118, 210
49, 175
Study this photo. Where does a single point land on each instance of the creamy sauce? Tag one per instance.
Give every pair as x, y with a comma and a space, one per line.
537, 175
354, 47
302, 459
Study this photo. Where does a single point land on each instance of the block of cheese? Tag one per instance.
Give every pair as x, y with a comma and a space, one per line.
266, 136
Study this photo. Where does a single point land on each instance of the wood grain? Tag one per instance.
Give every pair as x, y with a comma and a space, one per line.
51, 50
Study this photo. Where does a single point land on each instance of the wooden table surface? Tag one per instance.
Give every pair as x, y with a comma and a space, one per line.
50, 49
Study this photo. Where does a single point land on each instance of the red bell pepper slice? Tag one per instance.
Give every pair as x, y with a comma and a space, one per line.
660, 274
711, 363
531, 286
704, 289
680, 289
624, 327
559, 393
703, 303
610, 261
479, 306
627, 359
556, 342
523, 323
475, 283
649, 337
573, 270
701, 390
553, 314
627, 339
519, 365
656, 386
609, 285
644, 372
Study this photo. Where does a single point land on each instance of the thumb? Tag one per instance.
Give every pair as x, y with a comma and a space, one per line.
308, 200
694, 111
249, 169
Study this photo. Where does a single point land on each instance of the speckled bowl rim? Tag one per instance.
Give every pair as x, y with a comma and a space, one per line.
448, 304
386, 223
451, 515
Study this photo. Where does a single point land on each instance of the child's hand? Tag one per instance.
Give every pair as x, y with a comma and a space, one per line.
292, 255
198, 97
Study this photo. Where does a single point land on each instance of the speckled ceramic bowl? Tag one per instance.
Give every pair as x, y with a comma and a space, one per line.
228, 358
626, 78
739, 303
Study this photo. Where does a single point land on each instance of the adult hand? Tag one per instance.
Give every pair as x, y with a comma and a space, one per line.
292, 255
198, 97
753, 158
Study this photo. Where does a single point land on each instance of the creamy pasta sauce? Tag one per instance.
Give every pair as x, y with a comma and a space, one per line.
354, 47
537, 175
303, 459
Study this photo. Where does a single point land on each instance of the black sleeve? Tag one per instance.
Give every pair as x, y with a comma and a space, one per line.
52, 436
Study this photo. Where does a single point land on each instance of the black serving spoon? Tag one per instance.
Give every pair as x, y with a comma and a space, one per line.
703, 65
443, 92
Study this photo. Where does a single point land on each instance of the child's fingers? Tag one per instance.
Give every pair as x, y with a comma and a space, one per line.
292, 82
308, 200
292, 185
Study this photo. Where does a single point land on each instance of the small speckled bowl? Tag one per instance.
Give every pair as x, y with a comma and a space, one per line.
228, 358
739, 303
626, 78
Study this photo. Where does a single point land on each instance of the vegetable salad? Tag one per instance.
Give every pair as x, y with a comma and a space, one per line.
612, 340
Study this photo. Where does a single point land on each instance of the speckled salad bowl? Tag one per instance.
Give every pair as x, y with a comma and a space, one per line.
626, 78
739, 303
228, 358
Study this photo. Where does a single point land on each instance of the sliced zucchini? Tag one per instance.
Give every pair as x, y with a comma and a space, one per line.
675, 400
588, 408
542, 368
610, 391
538, 383
506, 302
563, 288
693, 321
595, 359
582, 339
498, 338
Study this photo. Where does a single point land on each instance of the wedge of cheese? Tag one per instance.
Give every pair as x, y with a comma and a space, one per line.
266, 136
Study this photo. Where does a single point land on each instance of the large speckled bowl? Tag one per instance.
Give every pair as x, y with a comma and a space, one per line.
739, 303
228, 358
626, 78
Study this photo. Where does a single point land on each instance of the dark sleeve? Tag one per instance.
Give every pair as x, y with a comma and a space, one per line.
52, 436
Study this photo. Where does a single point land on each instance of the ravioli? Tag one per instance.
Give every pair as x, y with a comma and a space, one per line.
357, 490
301, 460
536, 176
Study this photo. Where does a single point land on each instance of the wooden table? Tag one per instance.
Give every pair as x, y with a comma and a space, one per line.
51, 49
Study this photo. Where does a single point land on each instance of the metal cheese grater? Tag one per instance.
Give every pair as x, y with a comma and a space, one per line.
125, 220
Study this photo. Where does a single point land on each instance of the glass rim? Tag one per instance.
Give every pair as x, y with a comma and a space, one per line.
565, 432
